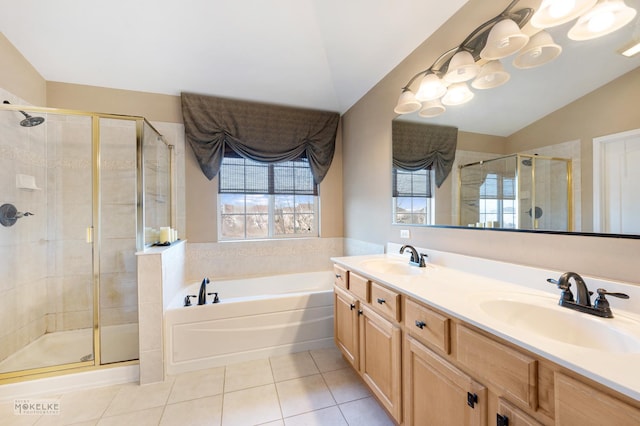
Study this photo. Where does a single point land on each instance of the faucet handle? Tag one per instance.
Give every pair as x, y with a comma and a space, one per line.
563, 285
423, 257
602, 304
602, 293
187, 299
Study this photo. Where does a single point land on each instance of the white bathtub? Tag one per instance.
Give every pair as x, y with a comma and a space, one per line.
256, 318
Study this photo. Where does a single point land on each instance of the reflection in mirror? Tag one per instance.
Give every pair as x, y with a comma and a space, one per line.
558, 111
517, 192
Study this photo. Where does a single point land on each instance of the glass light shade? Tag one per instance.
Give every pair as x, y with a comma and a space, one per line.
457, 94
540, 50
606, 17
407, 103
432, 109
462, 67
491, 75
556, 12
431, 87
505, 38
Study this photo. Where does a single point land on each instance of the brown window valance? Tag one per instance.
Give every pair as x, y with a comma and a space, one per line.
260, 132
419, 146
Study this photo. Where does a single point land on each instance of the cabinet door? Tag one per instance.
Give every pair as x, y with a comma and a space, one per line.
438, 394
581, 405
345, 325
380, 359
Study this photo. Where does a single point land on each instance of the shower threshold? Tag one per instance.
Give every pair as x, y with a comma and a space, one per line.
118, 343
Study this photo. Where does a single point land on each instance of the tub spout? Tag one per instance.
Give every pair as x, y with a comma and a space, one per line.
202, 295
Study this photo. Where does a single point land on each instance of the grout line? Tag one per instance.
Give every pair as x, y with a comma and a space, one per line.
275, 386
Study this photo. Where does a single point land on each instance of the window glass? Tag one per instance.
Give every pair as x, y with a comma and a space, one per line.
259, 200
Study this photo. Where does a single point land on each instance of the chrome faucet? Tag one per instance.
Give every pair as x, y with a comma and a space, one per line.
582, 302
417, 259
202, 294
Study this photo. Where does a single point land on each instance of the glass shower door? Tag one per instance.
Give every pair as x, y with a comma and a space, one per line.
46, 277
118, 217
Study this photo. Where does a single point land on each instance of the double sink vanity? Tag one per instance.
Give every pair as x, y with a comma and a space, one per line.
472, 341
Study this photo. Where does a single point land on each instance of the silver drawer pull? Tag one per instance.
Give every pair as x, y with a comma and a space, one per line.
381, 301
420, 324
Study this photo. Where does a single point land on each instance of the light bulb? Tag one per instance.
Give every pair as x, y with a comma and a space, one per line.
601, 22
561, 8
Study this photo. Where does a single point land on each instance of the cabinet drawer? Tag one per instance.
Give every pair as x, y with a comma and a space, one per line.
426, 325
513, 416
342, 277
385, 301
359, 286
511, 372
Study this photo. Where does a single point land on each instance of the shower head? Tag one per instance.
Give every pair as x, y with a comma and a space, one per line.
29, 120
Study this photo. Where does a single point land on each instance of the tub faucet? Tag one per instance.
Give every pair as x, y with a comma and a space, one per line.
202, 294
417, 259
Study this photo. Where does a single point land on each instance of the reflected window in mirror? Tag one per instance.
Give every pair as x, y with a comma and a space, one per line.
413, 201
497, 201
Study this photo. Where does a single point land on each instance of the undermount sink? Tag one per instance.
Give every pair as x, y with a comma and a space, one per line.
391, 266
564, 325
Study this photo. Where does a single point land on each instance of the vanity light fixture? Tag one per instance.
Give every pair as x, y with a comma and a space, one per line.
457, 94
478, 57
492, 74
462, 67
431, 88
604, 18
505, 39
432, 108
556, 12
540, 50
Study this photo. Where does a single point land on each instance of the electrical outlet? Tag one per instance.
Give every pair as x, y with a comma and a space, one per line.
404, 233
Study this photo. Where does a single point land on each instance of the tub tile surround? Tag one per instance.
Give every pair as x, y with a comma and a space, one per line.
234, 259
161, 272
458, 283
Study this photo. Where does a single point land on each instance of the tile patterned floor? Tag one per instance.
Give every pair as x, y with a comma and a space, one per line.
306, 388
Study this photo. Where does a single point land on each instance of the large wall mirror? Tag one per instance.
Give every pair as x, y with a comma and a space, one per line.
556, 148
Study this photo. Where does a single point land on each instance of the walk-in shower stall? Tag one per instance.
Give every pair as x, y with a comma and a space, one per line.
76, 193
518, 191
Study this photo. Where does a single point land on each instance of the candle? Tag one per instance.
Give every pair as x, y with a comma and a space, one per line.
164, 234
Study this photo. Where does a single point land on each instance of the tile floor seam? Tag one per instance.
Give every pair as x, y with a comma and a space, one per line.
275, 385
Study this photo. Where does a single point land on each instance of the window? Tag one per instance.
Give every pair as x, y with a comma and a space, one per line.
413, 203
259, 200
497, 201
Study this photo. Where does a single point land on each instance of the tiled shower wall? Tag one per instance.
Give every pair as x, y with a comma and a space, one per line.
23, 246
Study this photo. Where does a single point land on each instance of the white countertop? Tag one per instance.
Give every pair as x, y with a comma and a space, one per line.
462, 294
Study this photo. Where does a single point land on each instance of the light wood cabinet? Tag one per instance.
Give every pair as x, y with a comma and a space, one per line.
428, 326
510, 371
346, 326
578, 404
341, 277
510, 415
430, 368
380, 359
437, 393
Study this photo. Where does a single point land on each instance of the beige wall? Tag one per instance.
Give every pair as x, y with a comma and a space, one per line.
367, 189
613, 108
201, 221
19, 77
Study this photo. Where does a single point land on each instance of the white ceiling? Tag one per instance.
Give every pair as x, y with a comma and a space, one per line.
323, 54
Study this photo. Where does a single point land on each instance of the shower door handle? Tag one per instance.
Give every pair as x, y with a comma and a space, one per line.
90, 234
